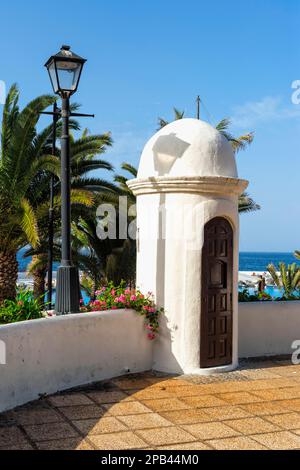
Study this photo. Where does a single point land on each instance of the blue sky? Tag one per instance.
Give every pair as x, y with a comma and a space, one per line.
146, 57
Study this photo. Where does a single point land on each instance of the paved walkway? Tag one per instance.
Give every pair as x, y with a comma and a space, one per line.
256, 407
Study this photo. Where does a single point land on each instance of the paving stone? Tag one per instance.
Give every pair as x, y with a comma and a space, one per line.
166, 404
214, 430
118, 441
161, 436
265, 408
239, 398
99, 426
190, 446
12, 437
111, 396
252, 425
144, 421
149, 394
82, 412
36, 416
222, 413
132, 383
283, 440
278, 394
188, 416
286, 421
126, 408
45, 432
236, 443
65, 444
204, 401
71, 399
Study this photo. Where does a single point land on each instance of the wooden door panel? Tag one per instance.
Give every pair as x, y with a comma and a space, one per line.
216, 313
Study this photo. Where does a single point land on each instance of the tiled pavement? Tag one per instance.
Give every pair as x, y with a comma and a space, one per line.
256, 407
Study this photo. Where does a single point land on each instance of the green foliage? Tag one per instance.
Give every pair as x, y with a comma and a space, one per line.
245, 296
24, 307
117, 297
287, 279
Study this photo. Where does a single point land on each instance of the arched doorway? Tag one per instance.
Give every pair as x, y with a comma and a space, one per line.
216, 293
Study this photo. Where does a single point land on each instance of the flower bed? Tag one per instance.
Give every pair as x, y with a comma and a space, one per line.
120, 297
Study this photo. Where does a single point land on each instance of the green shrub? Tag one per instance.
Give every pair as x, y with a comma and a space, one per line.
24, 307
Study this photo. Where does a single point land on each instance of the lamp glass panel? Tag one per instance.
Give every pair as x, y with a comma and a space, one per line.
68, 74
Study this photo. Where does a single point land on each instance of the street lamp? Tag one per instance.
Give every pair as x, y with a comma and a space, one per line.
64, 70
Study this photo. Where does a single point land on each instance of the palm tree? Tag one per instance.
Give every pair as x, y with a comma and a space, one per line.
84, 159
21, 159
286, 278
246, 203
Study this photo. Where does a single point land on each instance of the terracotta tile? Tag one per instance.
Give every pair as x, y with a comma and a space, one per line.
187, 416
226, 387
65, 444
265, 408
112, 396
82, 412
118, 441
72, 399
236, 443
144, 421
99, 426
215, 430
36, 416
238, 398
45, 432
126, 408
286, 421
252, 425
283, 440
166, 404
221, 413
190, 446
204, 401
12, 436
162, 436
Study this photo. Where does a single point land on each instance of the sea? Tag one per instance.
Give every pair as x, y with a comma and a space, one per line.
248, 261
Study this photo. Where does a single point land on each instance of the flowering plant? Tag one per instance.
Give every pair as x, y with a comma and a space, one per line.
119, 297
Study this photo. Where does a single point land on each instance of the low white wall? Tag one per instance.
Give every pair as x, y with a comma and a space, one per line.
47, 355
268, 328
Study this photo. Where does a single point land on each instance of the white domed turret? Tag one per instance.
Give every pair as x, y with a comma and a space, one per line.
187, 147
187, 192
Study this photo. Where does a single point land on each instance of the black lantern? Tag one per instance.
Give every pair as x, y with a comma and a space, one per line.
64, 69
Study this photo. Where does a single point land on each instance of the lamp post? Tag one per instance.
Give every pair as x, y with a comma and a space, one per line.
65, 70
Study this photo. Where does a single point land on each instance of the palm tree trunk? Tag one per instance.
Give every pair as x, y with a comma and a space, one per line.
8, 275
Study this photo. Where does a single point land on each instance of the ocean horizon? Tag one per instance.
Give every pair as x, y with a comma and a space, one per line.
248, 260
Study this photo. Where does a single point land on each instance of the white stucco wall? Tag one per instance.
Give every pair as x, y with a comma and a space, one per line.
268, 328
47, 355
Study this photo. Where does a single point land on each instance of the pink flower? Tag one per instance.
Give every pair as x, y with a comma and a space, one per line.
116, 300
113, 292
127, 291
122, 298
151, 336
114, 307
20, 302
133, 298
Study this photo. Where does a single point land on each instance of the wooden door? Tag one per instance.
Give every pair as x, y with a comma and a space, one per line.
216, 312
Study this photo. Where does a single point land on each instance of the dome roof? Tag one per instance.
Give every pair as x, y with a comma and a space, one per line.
187, 147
